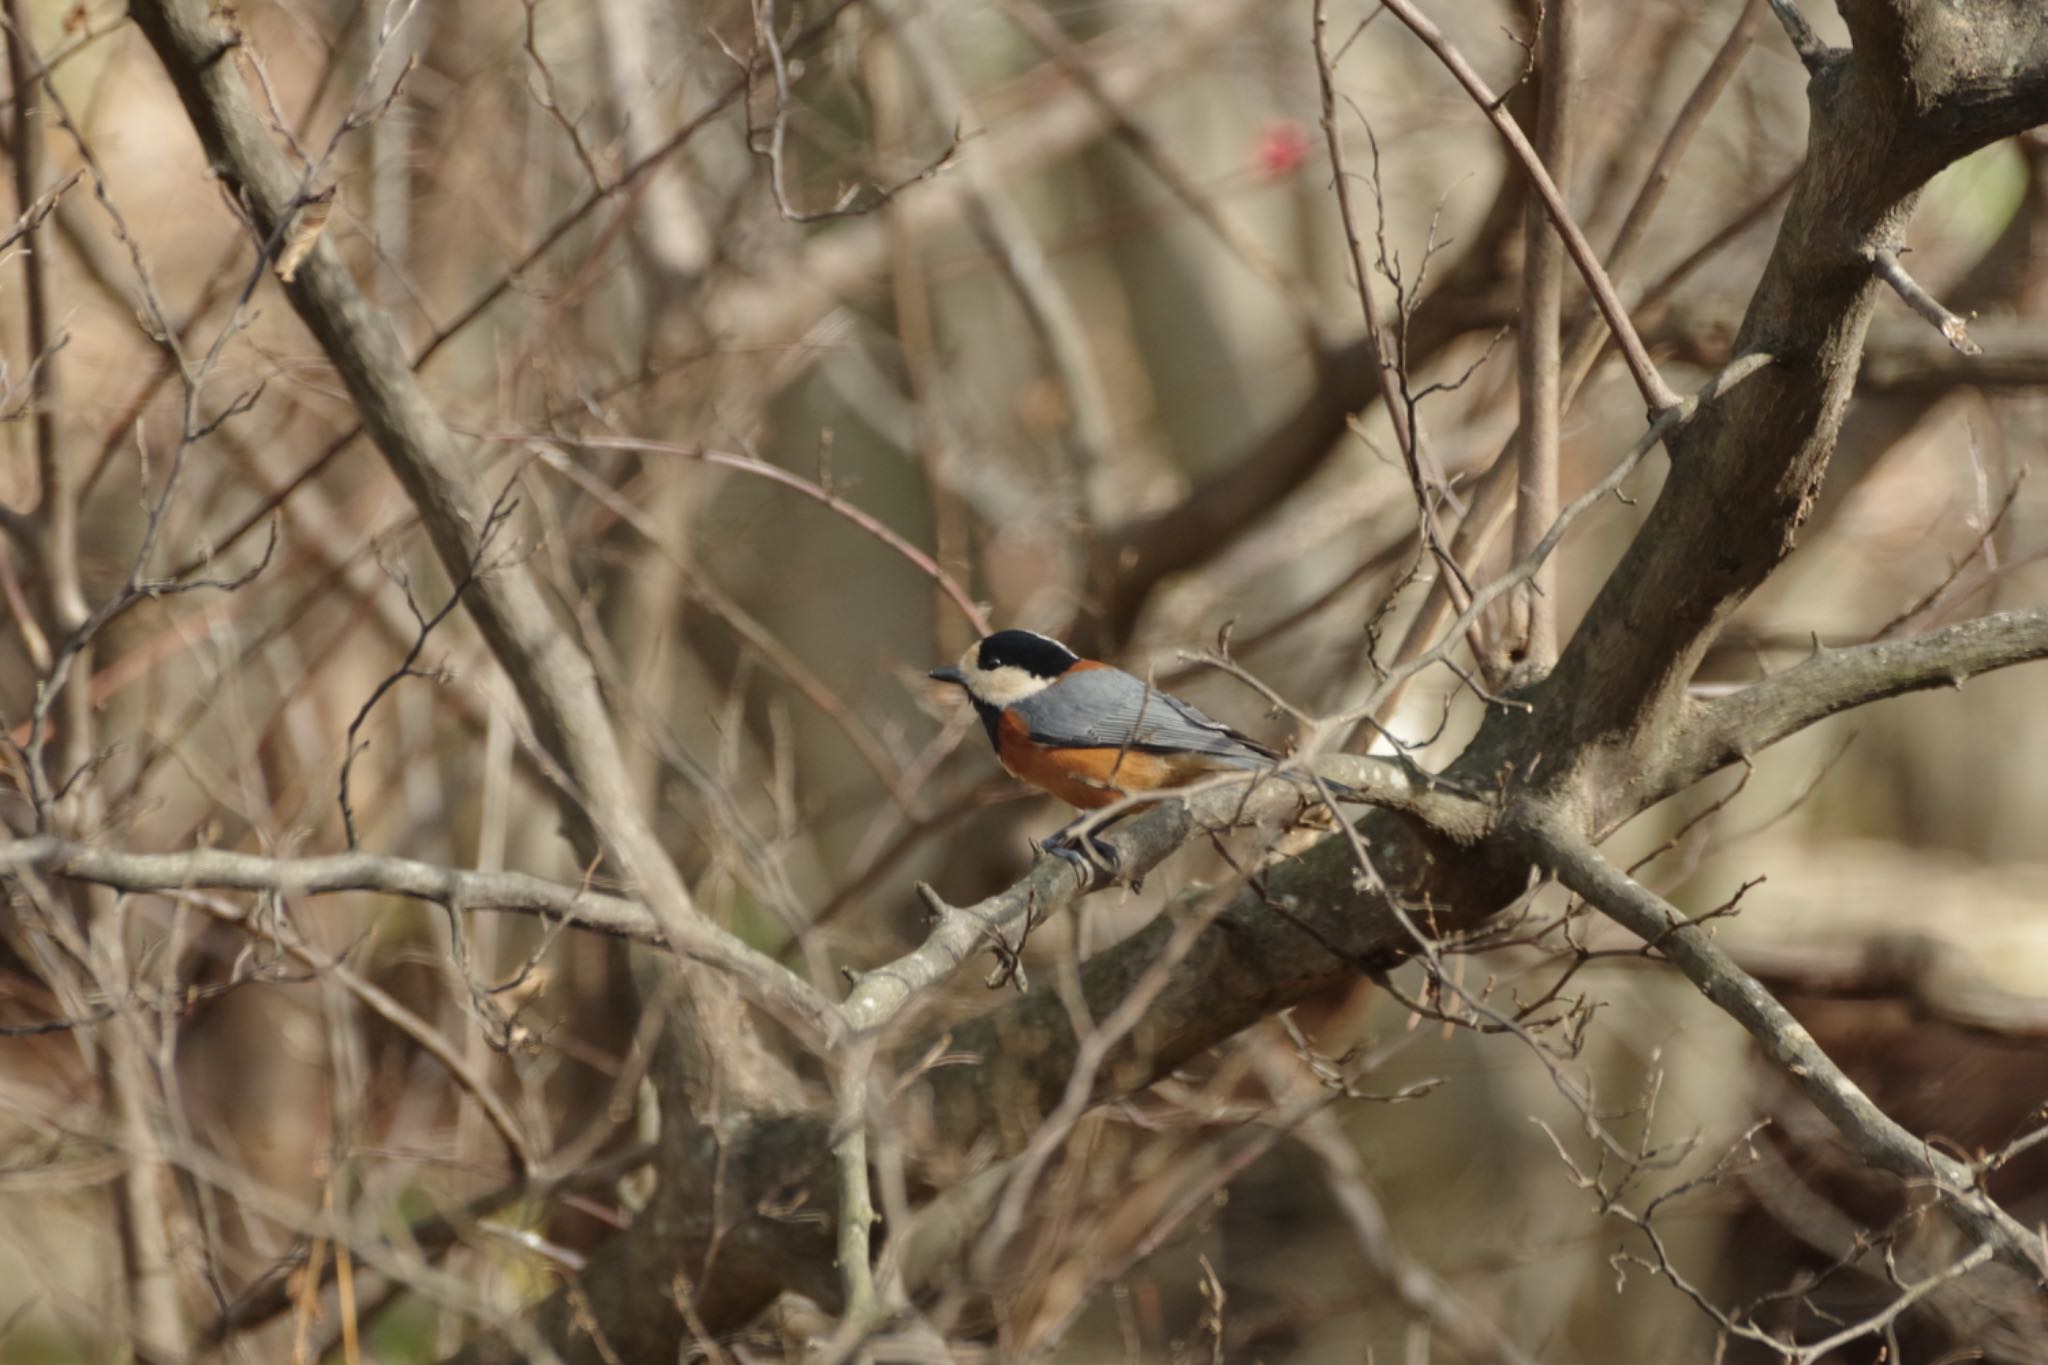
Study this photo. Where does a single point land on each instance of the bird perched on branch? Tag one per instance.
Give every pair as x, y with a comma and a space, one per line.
1088, 733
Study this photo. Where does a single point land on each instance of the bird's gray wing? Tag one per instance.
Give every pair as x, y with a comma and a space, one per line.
1107, 708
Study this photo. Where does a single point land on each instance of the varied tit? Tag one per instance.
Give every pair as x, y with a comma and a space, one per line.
1086, 732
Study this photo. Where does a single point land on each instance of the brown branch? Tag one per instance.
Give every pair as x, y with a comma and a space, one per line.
1744, 481
1141, 843
1539, 364
1657, 395
1247, 964
1966, 77
58, 510
52, 532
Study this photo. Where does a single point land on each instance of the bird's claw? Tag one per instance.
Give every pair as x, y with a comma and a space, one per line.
1091, 857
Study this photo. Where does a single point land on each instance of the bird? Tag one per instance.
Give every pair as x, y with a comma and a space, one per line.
1088, 732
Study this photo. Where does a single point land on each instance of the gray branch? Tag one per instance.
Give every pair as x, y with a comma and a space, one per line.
1141, 843
1873, 1134
1721, 732
763, 978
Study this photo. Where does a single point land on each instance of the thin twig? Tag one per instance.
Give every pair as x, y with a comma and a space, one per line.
1884, 263
1656, 393
1875, 1136
761, 469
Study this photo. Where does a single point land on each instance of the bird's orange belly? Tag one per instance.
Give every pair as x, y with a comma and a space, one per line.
1088, 778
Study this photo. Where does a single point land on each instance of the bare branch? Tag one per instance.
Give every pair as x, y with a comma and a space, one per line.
555, 682
770, 982
1835, 680
494, 522
1539, 372
1743, 484
1879, 1140
1885, 265
1814, 54
1141, 843
1656, 393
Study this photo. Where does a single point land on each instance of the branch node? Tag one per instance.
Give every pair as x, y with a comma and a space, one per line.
933, 902
1884, 263
1814, 54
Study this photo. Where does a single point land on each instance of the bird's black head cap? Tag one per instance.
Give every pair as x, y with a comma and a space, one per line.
1039, 655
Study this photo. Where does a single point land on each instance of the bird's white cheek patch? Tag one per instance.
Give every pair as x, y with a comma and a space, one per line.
1004, 686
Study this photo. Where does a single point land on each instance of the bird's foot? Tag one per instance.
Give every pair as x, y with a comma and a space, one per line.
1093, 858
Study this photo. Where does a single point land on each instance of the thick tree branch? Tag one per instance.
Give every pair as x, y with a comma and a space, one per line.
1717, 733
1141, 843
1252, 960
1964, 76
1880, 1141
1745, 477
1302, 926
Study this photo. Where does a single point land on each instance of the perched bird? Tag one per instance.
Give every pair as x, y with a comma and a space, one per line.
1086, 732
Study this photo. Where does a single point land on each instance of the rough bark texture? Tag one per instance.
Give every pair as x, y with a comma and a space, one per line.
1745, 476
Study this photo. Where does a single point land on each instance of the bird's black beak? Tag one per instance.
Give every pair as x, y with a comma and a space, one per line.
948, 674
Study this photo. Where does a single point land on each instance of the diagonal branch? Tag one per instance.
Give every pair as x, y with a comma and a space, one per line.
1746, 479
555, 681
1304, 926
1956, 332
1875, 1137
1657, 395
